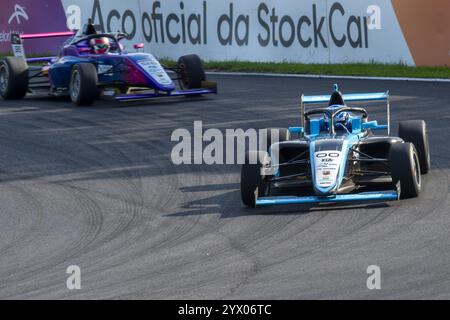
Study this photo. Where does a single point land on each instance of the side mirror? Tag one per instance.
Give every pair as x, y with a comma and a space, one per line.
138, 46
298, 130
369, 125
373, 125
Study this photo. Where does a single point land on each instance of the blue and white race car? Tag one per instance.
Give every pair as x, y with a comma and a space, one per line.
337, 157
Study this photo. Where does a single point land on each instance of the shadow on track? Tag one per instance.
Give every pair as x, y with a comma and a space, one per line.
112, 104
220, 204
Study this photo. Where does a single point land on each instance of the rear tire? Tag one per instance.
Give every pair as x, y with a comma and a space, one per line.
415, 131
192, 72
13, 78
83, 84
405, 169
283, 135
253, 185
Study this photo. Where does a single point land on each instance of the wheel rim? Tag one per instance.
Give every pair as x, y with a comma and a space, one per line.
416, 169
3, 79
75, 84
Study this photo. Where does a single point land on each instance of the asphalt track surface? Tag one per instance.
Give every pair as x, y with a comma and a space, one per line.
95, 187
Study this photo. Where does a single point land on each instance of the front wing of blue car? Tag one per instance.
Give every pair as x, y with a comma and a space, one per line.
363, 196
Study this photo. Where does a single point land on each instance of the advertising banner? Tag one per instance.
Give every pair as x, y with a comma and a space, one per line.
31, 16
413, 32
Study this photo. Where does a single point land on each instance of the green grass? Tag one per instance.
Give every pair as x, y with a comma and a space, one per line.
349, 69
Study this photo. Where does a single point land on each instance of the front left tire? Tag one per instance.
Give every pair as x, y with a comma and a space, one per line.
415, 131
192, 72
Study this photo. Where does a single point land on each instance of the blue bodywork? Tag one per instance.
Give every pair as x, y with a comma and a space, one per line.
363, 196
329, 150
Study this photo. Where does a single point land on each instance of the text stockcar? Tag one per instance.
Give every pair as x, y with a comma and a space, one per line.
233, 28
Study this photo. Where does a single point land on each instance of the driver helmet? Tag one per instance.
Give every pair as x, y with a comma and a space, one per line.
342, 120
100, 45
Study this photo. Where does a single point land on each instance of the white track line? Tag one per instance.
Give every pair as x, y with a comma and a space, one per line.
324, 76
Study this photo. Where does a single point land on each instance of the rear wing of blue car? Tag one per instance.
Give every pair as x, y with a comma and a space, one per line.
354, 97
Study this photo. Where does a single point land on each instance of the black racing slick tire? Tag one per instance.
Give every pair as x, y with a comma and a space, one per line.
13, 78
192, 72
405, 169
253, 184
83, 84
415, 131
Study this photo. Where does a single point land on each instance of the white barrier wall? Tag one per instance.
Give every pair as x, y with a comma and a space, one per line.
320, 31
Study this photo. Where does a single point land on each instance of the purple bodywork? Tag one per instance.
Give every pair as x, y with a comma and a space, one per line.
130, 76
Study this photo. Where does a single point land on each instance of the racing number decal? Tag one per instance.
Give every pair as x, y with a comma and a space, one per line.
154, 69
327, 167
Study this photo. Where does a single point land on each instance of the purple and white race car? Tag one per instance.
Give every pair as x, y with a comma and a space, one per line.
91, 65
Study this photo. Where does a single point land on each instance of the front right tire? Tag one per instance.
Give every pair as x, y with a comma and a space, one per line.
253, 184
83, 84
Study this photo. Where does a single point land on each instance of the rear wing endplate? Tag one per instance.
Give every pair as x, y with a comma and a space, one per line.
17, 46
360, 97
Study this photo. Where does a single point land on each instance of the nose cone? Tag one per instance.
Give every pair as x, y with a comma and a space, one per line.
326, 171
326, 161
